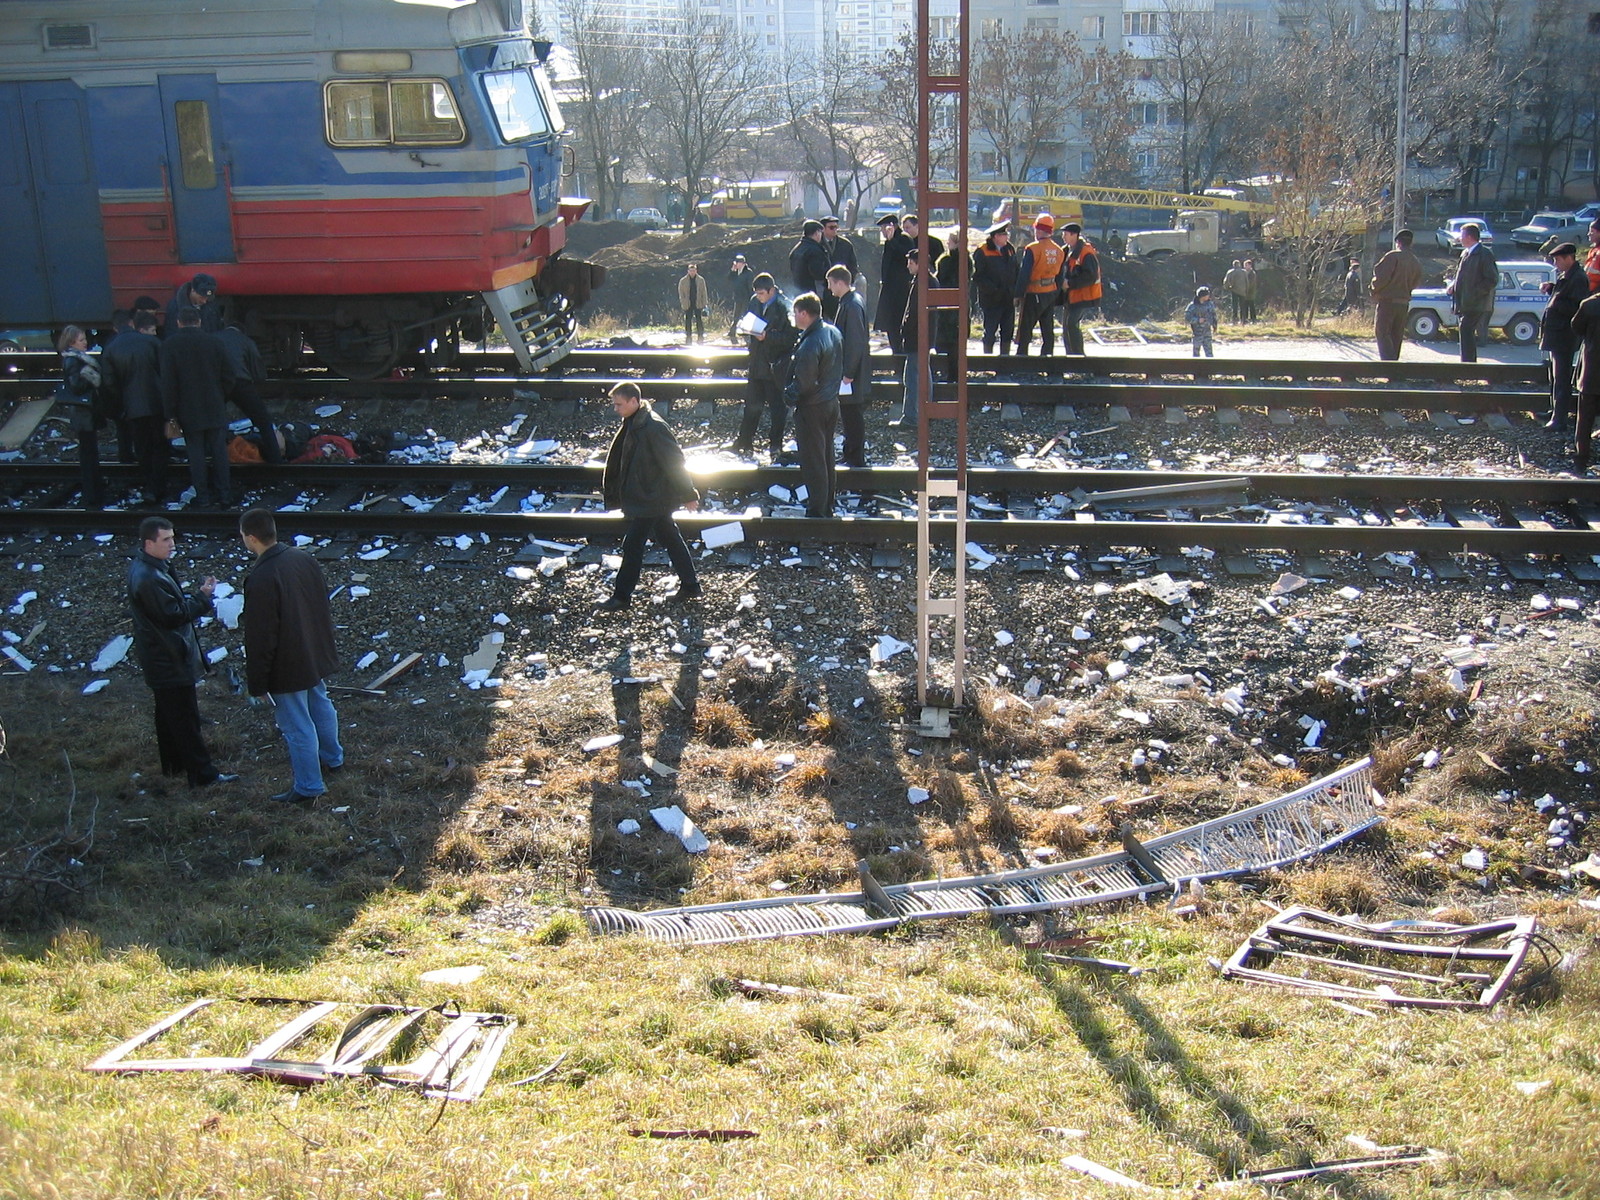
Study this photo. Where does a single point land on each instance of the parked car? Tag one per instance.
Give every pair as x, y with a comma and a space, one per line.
1518, 301
1546, 225
887, 206
1449, 234
647, 218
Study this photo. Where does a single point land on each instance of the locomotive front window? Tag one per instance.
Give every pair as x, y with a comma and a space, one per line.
392, 112
515, 104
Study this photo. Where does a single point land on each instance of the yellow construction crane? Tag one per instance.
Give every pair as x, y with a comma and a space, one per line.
1071, 196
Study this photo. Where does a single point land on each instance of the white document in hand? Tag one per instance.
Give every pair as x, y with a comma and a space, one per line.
750, 325
846, 389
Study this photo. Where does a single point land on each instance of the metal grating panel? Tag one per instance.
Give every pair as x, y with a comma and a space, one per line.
1308, 821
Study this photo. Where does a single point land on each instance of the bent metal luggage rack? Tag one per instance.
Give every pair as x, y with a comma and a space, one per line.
1307, 821
385, 1043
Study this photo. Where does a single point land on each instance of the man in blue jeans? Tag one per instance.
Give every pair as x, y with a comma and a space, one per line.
289, 651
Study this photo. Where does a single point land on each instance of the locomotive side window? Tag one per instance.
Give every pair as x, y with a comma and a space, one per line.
194, 144
515, 103
392, 112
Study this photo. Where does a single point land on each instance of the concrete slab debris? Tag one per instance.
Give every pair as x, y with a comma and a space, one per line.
112, 653
675, 821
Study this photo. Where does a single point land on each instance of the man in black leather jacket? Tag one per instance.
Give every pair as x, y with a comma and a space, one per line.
169, 652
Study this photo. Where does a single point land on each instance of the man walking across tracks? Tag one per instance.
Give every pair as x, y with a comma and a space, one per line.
1473, 289
1397, 274
814, 391
855, 385
169, 651
289, 651
646, 478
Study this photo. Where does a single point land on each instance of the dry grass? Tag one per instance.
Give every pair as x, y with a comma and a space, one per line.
937, 1083
720, 723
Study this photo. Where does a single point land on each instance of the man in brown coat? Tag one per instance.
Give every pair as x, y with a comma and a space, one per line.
289, 651
1397, 274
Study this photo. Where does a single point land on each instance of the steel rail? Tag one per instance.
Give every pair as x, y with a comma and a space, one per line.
1580, 541
1101, 394
655, 363
987, 481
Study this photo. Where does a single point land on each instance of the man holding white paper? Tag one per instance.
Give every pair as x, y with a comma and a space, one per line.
770, 336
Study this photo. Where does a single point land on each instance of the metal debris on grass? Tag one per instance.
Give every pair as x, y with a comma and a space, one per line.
1421, 964
445, 1053
1304, 822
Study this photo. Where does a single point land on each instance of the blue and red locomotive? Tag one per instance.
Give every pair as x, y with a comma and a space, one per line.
369, 177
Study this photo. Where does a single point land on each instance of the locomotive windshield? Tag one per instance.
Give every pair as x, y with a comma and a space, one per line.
514, 99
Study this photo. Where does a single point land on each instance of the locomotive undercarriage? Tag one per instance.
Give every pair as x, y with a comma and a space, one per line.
367, 337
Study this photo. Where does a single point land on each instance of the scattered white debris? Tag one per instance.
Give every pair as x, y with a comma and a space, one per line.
328, 410
1131, 714
228, 609
887, 647
1116, 669
112, 653
216, 654
22, 602
978, 554
715, 536
1289, 582
917, 795
358, 591
602, 742
366, 660
657, 767
520, 574
374, 555
454, 975
1475, 860
95, 685
1004, 637
1080, 634
259, 861
628, 826
1529, 1087
675, 821
1431, 759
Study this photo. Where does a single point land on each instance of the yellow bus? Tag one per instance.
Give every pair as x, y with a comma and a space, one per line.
747, 203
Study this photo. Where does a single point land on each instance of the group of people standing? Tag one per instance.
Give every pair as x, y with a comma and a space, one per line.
289, 653
157, 382
1243, 285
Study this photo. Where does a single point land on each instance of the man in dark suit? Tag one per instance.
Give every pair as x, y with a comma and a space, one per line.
132, 368
195, 380
289, 651
1473, 289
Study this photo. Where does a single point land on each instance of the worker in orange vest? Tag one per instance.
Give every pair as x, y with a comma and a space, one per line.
1082, 276
1591, 263
1039, 275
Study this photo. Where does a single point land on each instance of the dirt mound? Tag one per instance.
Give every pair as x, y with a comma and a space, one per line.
644, 269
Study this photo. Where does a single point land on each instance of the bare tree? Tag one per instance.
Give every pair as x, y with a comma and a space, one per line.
1552, 91
825, 105
1022, 97
1105, 121
607, 113
706, 82
1202, 77
1333, 163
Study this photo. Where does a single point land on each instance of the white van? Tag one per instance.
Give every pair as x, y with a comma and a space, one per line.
1518, 303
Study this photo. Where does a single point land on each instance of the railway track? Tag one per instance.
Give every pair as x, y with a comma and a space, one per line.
1509, 519
1122, 387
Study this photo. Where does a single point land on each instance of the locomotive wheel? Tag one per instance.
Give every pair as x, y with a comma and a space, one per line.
357, 351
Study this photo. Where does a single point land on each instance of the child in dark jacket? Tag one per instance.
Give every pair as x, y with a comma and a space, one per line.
1202, 317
